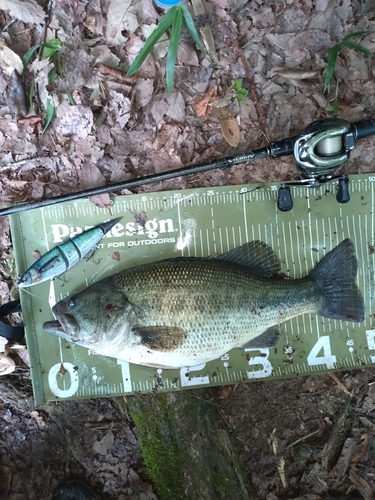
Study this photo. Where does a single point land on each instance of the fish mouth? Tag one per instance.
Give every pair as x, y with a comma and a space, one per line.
64, 326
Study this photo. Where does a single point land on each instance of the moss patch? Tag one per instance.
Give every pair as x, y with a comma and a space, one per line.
160, 453
186, 449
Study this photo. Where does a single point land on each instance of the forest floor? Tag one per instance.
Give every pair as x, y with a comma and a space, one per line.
311, 437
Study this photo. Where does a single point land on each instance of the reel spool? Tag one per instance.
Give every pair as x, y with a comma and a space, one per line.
323, 147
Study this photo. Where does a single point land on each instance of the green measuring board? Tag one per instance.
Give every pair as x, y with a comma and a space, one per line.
199, 222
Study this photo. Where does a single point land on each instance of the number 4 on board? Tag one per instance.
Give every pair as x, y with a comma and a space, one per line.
321, 353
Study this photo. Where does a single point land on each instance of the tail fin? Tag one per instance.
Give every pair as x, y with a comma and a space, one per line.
335, 276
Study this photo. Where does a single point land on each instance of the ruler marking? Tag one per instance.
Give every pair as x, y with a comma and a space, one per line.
213, 231
221, 241
285, 253
298, 251
208, 243
292, 251
245, 218
310, 226
362, 262
240, 235
227, 236
366, 251
321, 241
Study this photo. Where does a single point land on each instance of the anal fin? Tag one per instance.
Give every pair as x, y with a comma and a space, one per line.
161, 338
269, 338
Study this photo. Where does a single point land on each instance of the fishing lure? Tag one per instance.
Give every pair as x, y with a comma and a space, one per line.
61, 258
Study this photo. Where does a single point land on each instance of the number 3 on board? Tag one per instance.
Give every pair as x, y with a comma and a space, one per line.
261, 360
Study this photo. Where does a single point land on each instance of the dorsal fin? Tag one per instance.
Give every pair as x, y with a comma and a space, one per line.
255, 255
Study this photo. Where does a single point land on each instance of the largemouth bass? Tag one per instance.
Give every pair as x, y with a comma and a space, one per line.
187, 311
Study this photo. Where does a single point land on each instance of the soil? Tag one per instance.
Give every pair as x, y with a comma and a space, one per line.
311, 437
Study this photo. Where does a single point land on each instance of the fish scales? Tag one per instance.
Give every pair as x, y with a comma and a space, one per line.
200, 295
187, 311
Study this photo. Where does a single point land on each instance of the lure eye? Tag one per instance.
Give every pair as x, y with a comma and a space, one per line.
72, 302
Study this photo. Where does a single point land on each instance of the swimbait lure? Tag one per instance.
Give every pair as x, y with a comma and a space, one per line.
61, 258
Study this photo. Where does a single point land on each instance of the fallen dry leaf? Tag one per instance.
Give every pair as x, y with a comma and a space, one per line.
116, 256
295, 73
202, 108
364, 488
229, 126
16, 98
105, 444
38, 419
120, 17
9, 60
226, 110
227, 391
7, 365
343, 463
101, 200
30, 120
3, 344
24, 10
115, 74
360, 448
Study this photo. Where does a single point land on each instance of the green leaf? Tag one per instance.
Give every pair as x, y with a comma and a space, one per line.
241, 94
357, 46
173, 48
333, 53
165, 23
50, 47
50, 111
237, 85
190, 26
29, 54
52, 75
357, 33
72, 101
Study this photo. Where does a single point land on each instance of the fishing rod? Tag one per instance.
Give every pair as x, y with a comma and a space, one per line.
321, 148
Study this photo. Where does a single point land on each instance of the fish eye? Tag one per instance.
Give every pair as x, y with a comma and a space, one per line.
72, 302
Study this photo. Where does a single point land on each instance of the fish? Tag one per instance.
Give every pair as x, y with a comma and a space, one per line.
59, 259
187, 311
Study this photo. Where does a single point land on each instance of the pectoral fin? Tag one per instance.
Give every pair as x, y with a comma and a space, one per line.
161, 338
269, 338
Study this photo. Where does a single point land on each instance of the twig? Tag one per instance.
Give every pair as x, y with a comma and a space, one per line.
204, 400
19, 163
12, 21
299, 440
342, 386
